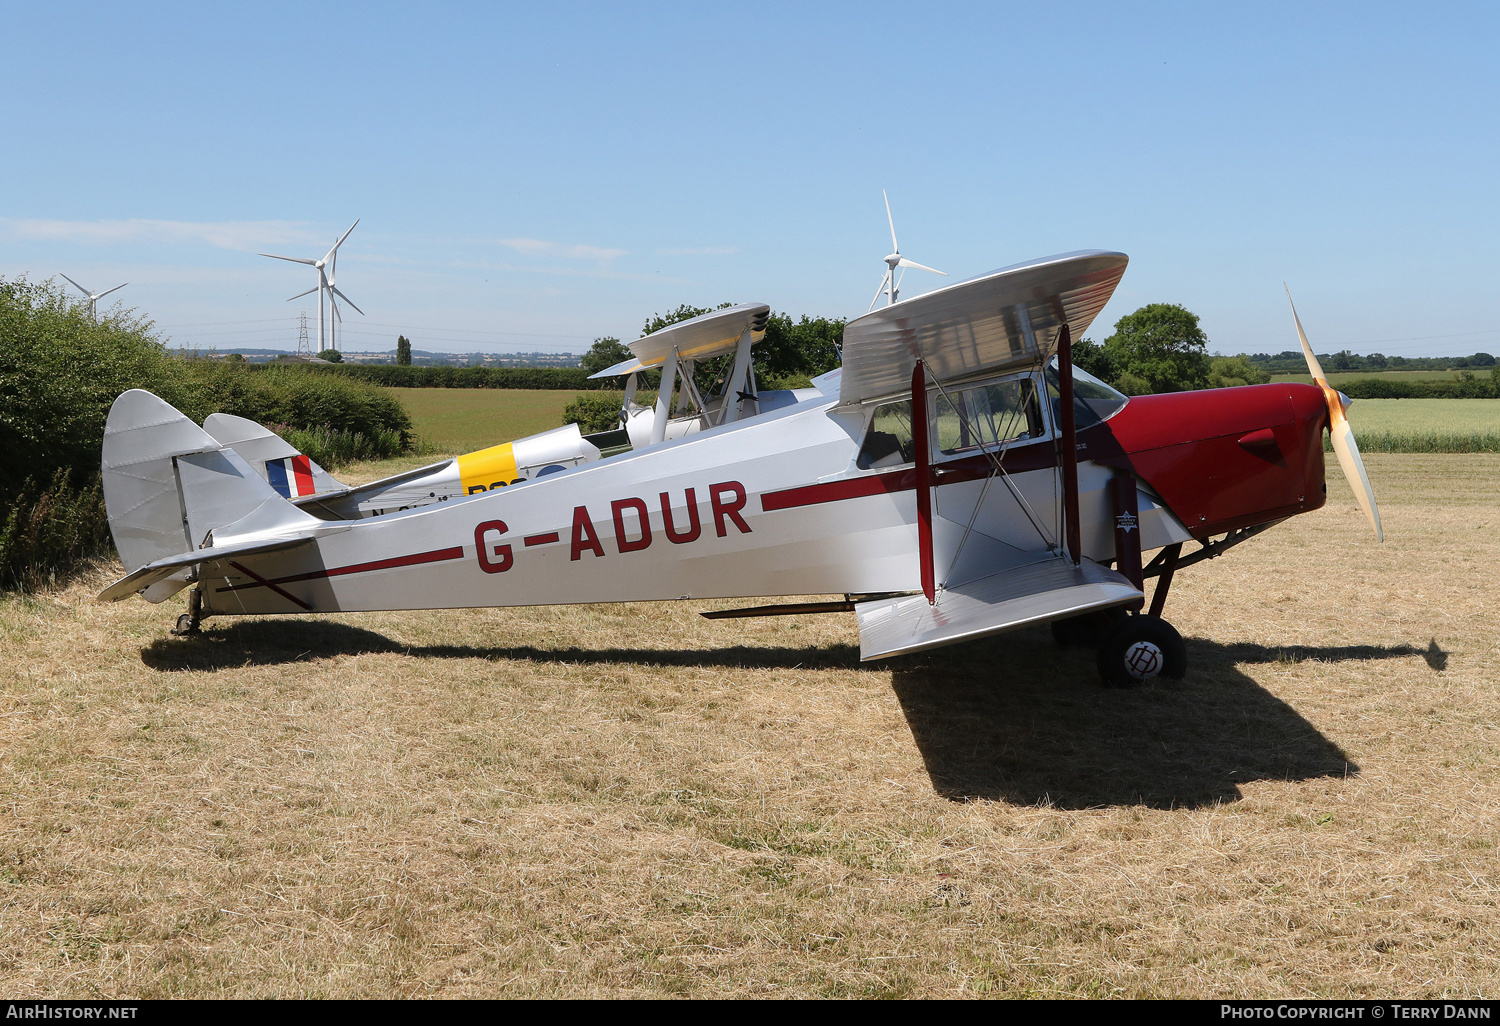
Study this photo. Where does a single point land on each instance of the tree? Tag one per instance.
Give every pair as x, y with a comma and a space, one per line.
1158, 348
656, 322
795, 350
605, 352
1090, 356
403, 351
331, 355
1232, 371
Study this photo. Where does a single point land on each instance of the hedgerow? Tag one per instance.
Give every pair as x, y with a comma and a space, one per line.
60, 371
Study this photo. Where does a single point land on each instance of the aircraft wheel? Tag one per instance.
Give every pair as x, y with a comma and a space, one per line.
1142, 648
1088, 630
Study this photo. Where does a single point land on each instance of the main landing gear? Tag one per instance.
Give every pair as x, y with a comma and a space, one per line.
1140, 648
1132, 647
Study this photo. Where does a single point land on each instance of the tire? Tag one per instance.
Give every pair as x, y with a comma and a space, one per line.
1142, 648
1088, 630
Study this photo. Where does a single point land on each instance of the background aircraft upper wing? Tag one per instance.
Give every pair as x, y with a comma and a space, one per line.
703, 337
1007, 318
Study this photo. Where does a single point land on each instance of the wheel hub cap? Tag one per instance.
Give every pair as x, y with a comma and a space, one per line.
1143, 660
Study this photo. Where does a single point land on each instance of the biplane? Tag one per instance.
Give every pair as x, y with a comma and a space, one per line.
955, 478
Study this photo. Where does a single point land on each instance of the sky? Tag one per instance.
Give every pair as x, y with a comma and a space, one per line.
531, 177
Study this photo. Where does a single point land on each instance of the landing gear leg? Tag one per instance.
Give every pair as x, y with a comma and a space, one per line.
1142, 648
187, 623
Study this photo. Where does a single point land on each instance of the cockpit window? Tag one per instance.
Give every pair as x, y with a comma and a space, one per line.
1000, 411
889, 440
1093, 400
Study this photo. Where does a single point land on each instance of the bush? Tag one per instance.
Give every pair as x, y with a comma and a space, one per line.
396, 376
331, 447
1468, 386
60, 371
50, 530
298, 397
597, 411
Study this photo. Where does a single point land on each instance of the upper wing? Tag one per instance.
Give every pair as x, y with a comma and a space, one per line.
1046, 590
702, 337
1007, 318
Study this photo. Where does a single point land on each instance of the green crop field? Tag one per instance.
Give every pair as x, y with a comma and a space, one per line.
458, 420
1335, 378
1426, 425
1430, 416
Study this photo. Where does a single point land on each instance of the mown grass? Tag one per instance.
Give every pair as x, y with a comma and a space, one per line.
629, 800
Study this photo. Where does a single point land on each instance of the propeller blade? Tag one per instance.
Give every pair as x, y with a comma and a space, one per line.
295, 260
307, 293
884, 278
889, 220
1344, 445
1313, 366
334, 289
117, 288
77, 286
903, 262
1354, 469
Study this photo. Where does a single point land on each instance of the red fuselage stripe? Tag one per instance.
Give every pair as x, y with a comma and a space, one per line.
540, 539
1040, 455
435, 556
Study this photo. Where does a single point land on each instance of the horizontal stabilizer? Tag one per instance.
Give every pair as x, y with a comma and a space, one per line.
139, 580
170, 486
293, 475
1042, 591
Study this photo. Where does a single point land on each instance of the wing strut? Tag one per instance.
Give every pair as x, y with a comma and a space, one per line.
924, 480
1069, 441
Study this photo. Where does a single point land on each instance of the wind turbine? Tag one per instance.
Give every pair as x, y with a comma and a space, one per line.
889, 285
94, 297
333, 290
323, 282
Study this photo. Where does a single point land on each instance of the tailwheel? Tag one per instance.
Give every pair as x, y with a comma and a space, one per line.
187, 623
1141, 648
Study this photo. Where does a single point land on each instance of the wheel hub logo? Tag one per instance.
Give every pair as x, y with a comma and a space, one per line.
1143, 660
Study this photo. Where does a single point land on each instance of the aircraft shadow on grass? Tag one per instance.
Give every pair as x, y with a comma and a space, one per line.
1013, 718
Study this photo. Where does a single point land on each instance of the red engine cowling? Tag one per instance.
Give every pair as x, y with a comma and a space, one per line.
1221, 458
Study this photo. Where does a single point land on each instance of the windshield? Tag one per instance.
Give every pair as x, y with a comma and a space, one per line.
1093, 400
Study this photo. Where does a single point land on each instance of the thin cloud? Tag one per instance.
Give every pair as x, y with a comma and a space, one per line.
700, 251
246, 236
540, 247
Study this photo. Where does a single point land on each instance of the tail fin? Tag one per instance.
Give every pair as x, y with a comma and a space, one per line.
168, 483
293, 475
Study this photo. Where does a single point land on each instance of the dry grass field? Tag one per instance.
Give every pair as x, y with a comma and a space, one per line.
633, 801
